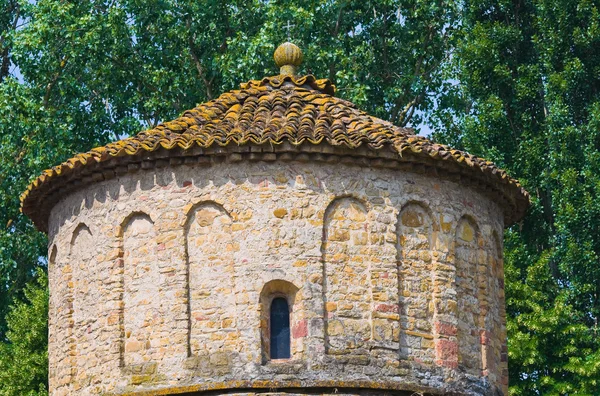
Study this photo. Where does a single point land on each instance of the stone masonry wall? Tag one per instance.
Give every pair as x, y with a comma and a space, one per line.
162, 279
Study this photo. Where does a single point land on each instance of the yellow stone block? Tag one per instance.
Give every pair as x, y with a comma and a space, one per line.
445, 223
339, 235
335, 327
411, 218
467, 233
237, 227
281, 178
360, 238
356, 214
280, 213
428, 344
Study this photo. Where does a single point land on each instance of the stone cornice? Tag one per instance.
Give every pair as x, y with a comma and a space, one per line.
509, 196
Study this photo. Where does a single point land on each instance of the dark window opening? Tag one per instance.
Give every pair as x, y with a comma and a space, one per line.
280, 329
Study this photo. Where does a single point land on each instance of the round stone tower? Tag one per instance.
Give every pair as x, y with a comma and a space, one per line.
276, 240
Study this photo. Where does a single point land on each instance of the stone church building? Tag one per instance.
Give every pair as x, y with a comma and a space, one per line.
276, 240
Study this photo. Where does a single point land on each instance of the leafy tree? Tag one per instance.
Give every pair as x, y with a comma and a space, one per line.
520, 87
527, 96
9, 19
24, 358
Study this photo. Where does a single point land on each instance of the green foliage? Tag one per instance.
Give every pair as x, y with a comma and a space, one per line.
517, 82
528, 98
24, 358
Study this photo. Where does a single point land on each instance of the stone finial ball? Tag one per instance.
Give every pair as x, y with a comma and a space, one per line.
288, 54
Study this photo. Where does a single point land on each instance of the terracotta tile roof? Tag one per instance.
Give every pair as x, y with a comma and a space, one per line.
300, 111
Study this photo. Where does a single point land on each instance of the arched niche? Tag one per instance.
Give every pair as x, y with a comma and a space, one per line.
211, 294
53, 273
415, 229
56, 322
53, 254
469, 261
494, 332
278, 289
82, 322
347, 290
142, 311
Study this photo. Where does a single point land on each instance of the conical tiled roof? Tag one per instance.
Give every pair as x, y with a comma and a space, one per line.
280, 117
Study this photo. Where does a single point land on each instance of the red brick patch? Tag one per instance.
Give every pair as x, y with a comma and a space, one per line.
447, 350
387, 308
484, 337
447, 363
300, 330
445, 329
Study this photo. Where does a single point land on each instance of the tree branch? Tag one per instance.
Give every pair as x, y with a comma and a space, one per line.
53, 82
5, 55
198, 63
407, 113
336, 30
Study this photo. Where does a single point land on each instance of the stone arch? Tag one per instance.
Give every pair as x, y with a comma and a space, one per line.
347, 298
53, 253
128, 218
207, 201
468, 255
425, 216
494, 333
209, 249
80, 231
271, 290
53, 272
142, 311
415, 233
56, 312
81, 323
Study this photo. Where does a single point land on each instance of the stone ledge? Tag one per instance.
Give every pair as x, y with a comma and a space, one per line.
48, 195
295, 386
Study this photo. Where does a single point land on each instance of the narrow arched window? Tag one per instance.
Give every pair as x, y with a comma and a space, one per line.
280, 329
